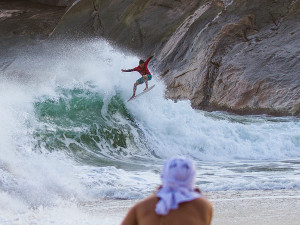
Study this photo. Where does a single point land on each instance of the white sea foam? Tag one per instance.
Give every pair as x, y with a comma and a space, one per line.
175, 128
42, 187
172, 128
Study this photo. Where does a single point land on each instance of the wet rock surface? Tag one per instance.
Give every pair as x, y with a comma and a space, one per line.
245, 61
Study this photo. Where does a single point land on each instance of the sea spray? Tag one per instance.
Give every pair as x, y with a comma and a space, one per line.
69, 139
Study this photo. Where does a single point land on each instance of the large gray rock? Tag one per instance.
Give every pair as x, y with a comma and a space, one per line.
245, 60
240, 56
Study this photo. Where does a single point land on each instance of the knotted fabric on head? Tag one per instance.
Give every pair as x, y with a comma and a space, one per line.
178, 177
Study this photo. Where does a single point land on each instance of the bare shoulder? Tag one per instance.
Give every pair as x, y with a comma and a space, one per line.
149, 201
145, 210
203, 203
140, 211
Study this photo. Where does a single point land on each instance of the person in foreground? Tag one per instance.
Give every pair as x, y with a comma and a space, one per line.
176, 202
142, 68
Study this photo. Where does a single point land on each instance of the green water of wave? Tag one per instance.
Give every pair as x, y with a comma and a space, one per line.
88, 126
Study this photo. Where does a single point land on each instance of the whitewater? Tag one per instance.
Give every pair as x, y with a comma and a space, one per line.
72, 147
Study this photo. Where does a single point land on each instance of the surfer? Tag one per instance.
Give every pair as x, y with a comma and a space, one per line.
176, 201
142, 68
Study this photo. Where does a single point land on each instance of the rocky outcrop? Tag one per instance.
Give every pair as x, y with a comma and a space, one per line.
239, 56
245, 60
140, 26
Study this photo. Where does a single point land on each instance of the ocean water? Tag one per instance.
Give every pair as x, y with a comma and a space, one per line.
74, 151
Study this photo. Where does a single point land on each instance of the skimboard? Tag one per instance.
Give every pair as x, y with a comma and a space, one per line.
144, 92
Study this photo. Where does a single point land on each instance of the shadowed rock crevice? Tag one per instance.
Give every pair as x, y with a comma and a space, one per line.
212, 73
97, 24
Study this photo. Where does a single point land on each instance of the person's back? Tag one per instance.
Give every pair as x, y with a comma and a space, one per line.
172, 207
197, 212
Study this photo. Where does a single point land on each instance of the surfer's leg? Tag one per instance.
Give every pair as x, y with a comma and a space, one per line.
134, 88
146, 81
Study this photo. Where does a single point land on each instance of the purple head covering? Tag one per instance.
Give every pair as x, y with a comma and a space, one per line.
178, 177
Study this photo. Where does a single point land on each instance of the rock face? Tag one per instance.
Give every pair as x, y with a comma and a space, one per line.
241, 56
140, 26
246, 60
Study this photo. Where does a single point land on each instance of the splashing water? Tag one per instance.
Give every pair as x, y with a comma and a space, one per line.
69, 139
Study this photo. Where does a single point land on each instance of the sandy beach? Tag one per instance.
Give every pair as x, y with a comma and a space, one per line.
276, 207
279, 207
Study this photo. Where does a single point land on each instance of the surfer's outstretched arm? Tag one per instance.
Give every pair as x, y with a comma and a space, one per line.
148, 60
130, 70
